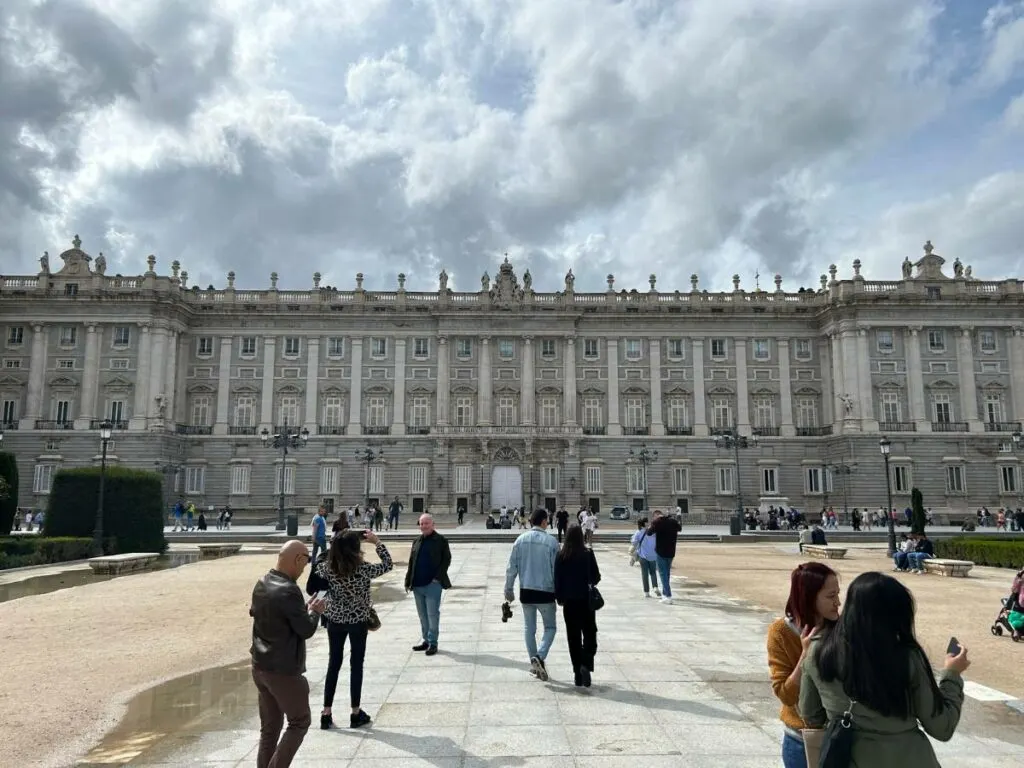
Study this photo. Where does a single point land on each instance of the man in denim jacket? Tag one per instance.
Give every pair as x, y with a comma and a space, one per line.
533, 562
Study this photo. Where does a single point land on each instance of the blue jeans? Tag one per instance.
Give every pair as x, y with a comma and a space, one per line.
900, 559
547, 613
793, 755
649, 574
917, 560
428, 606
319, 545
665, 569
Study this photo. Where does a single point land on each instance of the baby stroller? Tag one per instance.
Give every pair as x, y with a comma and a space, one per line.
1010, 604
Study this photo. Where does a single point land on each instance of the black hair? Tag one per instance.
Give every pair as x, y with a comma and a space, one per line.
573, 546
539, 516
872, 647
346, 554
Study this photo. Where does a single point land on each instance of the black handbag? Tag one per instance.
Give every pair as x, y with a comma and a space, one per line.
594, 597
837, 746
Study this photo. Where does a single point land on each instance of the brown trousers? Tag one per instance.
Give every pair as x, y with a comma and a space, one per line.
281, 696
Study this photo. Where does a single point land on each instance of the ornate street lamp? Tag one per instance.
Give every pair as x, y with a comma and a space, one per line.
283, 441
367, 456
646, 457
106, 429
885, 447
732, 440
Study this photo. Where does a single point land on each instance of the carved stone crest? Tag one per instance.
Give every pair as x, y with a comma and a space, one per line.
76, 261
505, 292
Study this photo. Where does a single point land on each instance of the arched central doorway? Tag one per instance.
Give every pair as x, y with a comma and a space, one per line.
506, 479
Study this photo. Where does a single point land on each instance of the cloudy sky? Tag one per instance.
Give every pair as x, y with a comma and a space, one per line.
622, 136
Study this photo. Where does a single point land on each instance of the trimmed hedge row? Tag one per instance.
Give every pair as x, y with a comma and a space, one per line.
1001, 553
20, 551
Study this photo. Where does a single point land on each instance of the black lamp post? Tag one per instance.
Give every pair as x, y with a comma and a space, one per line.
732, 440
283, 441
646, 457
530, 506
840, 469
367, 456
482, 468
885, 447
106, 429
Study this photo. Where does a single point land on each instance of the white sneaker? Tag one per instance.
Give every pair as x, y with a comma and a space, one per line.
647, 594
667, 600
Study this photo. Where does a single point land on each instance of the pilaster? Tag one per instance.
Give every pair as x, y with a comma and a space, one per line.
220, 424
36, 377
398, 422
657, 422
785, 390
443, 382
867, 402
968, 385
267, 389
915, 383
157, 370
742, 388
90, 376
700, 399
355, 404
312, 384
614, 425
484, 374
569, 383
529, 403
1015, 340
141, 408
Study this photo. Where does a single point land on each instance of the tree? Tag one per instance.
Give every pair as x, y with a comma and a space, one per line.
8, 492
918, 519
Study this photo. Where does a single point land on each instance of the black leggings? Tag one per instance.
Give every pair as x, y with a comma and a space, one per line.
580, 633
336, 634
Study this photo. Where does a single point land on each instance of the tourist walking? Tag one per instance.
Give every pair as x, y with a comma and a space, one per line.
665, 531
318, 528
346, 576
427, 578
282, 621
378, 518
576, 572
642, 553
871, 665
462, 513
813, 605
588, 522
532, 562
562, 522
394, 510
179, 514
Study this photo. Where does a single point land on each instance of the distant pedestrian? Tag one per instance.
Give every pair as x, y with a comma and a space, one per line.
190, 515
179, 514
576, 572
462, 514
201, 525
665, 530
394, 510
588, 522
318, 532
28, 521
427, 578
378, 518
562, 520
532, 562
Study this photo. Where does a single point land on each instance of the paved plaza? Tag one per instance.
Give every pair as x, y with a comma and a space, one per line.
684, 684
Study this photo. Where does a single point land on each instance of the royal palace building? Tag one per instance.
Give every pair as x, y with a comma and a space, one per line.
507, 395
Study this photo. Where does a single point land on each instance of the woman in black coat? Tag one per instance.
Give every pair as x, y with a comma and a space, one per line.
575, 572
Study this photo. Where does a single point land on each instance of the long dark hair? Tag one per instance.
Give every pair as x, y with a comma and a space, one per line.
573, 545
346, 553
871, 648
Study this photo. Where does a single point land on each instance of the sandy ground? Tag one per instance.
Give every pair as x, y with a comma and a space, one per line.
965, 608
73, 658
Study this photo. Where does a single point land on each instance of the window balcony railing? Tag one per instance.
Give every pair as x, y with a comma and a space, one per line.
236, 430
193, 429
55, 424
330, 429
814, 431
594, 430
897, 426
636, 430
367, 430
418, 430
767, 431
9, 426
1002, 426
678, 430
949, 426
120, 424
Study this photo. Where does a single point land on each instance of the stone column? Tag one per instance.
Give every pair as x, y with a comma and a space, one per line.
181, 388
267, 389
398, 422
838, 386
614, 426
90, 377
171, 374
968, 386
915, 385
700, 399
157, 371
484, 406
742, 388
220, 422
569, 383
867, 401
443, 383
1015, 343
828, 415
36, 378
850, 381
312, 384
141, 407
355, 403
529, 383
657, 422
785, 390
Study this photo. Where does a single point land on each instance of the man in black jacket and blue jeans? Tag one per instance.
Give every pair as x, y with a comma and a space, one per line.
665, 530
427, 577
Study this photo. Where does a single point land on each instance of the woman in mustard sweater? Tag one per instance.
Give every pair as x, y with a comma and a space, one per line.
813, 602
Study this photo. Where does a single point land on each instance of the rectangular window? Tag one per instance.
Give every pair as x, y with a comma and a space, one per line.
463, 347
375, 479
463, 478
676, 413
987, 341
635, 479
42, 479
936, 340
418, 479
119, 364
376, 411
803, 349
901, 478
420, 415
724, 483
633, 349
116, 411
240, 474
769, 480
955, 478
464, 411
204, 346
292, 346
195, 480
420, 347
329, 484
10, 412
718, 348
379, 347
332, 412
891, 407
938, 367
245, 411
636, 415
15, 335
806, 412
122, 335
201, 411
994, 411
721, 412
676, 349
288, 411
12, 363
248, 346
289, 479
1008, 478
71, 289
590, 349
593, 479
66, 365
764, 412
592, 413
549, 479
762, 349
943, 409
884, 341
680, 479
547, 347
506, 348
62, 411
813, 480
68, 336
506, 411
336, 346
549, 411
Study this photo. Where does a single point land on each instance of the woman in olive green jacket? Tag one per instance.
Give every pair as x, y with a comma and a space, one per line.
870, 657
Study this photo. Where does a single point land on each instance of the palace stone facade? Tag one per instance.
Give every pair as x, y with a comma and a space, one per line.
507, 395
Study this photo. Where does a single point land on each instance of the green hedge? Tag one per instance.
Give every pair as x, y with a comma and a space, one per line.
20, 551
1001, 553
133, 519
8, 493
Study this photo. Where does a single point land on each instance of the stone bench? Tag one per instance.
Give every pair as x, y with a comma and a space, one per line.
217, 551
825, 552
947, 567
118, 565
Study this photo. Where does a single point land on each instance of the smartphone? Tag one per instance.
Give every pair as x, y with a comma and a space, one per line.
322, 594
953, 649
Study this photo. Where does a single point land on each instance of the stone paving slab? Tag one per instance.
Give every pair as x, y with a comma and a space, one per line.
673, 684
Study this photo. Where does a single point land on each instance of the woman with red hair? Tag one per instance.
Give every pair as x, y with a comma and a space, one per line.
813, 603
